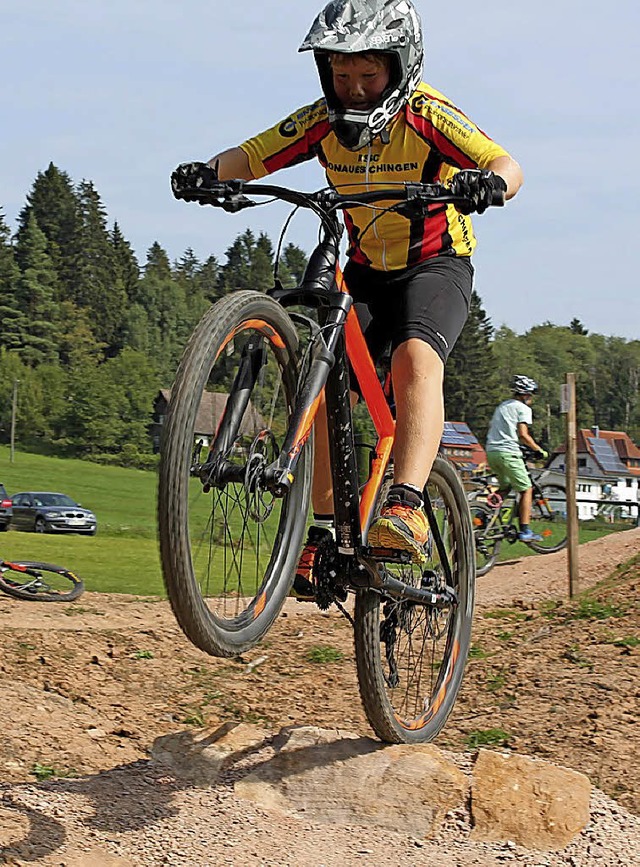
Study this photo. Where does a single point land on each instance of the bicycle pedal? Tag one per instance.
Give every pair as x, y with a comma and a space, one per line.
388, 555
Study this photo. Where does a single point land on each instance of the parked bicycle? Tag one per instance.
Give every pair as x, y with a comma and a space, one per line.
494, 517
39, 582
232, 513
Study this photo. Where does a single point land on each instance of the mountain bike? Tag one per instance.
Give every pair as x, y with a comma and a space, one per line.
494, 514
39, 582
232, 510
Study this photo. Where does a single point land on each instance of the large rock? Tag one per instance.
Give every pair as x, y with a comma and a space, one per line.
353, 780
200, 757
529, 801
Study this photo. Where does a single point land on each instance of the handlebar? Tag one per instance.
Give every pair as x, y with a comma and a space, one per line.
413, 198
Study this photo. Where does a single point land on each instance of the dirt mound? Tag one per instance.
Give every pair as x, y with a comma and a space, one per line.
85, 689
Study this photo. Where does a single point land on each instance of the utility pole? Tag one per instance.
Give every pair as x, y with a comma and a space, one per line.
14, 410
568, 406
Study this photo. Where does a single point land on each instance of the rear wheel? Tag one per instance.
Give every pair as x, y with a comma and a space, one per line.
228, 545
39, 582
487, 535
411, 657
549, 518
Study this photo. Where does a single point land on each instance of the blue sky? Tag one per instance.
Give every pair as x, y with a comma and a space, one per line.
120, 91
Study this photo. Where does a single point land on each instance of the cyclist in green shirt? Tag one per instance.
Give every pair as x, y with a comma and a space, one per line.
509, 428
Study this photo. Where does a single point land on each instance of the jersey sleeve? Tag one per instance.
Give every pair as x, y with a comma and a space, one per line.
291, 141
525, 414
458, 140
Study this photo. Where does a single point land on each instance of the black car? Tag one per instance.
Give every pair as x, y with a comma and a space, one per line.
5, 508
46, 512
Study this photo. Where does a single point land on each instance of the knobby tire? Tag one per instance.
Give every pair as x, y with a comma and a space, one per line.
227, 568
412, 706
33, 581
487, 537
549, 519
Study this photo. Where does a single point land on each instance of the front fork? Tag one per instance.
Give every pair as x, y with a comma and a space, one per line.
279, 476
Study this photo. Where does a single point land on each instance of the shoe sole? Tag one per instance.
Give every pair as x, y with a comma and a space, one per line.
385, 535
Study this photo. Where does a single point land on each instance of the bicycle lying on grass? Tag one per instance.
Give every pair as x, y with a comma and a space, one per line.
494, 514
39, 582
232, 514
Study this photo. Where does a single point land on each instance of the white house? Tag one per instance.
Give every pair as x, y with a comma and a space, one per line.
608, 472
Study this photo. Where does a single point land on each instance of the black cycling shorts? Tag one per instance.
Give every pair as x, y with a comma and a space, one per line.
429, 301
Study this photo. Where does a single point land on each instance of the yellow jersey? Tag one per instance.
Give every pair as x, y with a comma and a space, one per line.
428, 141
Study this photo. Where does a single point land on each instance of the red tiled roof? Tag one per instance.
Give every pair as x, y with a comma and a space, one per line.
620, 441
623, 443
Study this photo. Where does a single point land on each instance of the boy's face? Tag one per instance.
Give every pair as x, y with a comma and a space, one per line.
358, 81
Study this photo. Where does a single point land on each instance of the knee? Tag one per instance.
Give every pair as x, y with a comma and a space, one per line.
415, 359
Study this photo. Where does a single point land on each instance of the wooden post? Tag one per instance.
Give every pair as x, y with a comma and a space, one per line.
571, 471
14, 410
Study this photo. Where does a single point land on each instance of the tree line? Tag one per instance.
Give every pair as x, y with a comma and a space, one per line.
91, 334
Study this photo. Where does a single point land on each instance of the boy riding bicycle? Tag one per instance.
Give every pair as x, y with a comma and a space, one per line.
509, 427
378, 123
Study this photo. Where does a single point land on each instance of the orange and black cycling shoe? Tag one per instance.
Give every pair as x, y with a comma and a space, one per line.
303, 588
402, 528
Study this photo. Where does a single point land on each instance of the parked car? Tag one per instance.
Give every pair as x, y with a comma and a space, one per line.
5, 508
46, 512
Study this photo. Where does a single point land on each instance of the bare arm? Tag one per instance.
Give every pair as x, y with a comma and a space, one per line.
510, 171
526, 438
232, 163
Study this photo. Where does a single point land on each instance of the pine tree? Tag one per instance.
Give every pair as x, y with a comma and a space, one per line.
54, 204
126, 265
13, 322
36, 293
95, 286
236, 272
576, 327
295, 261
162, 296
208, 279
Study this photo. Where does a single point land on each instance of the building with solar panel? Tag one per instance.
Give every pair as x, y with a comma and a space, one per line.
460, 445
608, 474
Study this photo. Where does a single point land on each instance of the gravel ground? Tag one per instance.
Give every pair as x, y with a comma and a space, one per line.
122, 809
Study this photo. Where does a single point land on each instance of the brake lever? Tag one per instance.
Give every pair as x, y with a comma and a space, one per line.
236, 202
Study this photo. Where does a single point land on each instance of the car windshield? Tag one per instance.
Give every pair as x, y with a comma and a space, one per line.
54, 500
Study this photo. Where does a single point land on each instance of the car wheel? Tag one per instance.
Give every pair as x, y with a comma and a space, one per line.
40, 526
4, 528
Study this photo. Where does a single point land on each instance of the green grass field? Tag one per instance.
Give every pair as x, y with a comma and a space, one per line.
123, 557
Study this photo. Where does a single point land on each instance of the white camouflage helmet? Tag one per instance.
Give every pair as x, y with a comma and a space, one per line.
354, 26
523, 385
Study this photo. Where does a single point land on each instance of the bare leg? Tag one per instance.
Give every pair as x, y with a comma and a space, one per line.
524, 508
418, 374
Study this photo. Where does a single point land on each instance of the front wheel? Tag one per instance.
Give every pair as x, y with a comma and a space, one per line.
549, 519
228, 545
487, 536
39, 582
410, 657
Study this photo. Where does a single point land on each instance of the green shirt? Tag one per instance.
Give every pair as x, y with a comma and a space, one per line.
503, 430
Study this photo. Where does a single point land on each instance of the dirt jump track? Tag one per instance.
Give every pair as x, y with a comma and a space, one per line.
87, 687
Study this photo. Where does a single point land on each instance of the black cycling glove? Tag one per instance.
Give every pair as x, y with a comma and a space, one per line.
481, 187
188, 177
